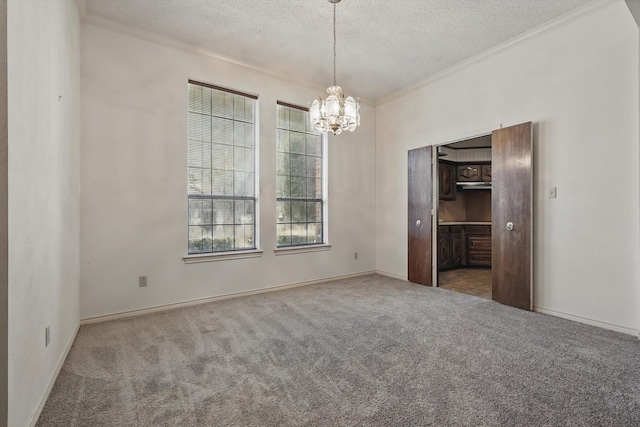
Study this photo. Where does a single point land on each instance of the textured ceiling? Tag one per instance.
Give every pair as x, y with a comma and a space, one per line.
383, 46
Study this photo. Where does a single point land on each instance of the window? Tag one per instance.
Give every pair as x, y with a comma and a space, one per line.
221, 177
300, 207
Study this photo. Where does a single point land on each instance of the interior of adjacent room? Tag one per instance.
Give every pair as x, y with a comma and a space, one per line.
464, 216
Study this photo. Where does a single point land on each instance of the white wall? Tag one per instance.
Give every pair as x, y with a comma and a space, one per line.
44, 196
4, 220
134, 179
578, 82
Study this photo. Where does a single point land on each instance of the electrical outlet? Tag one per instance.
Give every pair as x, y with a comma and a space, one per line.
47, 336
355, 255
553, 192
142, 281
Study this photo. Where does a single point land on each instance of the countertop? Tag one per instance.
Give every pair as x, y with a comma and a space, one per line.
464, 222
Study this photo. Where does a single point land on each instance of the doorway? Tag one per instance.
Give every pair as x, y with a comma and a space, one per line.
505, 245
464, 216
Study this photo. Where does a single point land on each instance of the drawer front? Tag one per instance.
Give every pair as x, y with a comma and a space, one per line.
479, 244
443, 229
477, 229
480, 258
456, 229
479, 250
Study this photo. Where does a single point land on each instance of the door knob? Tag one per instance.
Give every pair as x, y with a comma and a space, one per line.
418, 223
509, 226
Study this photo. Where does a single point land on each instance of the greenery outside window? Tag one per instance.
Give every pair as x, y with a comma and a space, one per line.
300, 179
222, 170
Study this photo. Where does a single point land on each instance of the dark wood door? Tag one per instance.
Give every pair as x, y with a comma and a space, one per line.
511, 215
420, 200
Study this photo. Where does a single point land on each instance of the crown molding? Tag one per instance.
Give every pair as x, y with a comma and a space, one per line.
558, 22
118, 27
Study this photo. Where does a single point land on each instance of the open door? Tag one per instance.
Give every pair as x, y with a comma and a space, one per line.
420, 204
511, 216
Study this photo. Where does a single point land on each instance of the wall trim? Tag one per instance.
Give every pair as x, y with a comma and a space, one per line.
559, 22
90, 18
563, 315
292, 250
54, 377
392, 275
221, 256
199, 301
588, 321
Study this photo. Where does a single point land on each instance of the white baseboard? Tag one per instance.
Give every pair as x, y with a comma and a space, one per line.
392, 275
199, 301
54, 377
588, 321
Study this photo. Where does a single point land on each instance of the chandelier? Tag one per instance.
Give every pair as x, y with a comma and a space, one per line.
335, 113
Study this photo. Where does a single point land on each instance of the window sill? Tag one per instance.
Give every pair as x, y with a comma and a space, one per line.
221, 256
289, 250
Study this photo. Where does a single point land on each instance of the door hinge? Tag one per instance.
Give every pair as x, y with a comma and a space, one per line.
433, 212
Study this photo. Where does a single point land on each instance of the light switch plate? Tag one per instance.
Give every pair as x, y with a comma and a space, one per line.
553, 192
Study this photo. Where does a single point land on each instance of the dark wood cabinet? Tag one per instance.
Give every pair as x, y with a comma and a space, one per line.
444, 248
456, 248
486, 173
447, 184
468, 173
449, 246
464, 245
473, 172
478, 245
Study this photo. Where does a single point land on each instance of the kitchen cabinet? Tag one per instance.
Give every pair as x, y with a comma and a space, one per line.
456, 247
478, 245
449, 246
474, 173
486, 172
468, 173
444, 248
447, 184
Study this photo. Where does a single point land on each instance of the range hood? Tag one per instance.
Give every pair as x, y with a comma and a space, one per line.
477, 185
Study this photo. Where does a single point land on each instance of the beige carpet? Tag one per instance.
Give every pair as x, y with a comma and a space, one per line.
369, 351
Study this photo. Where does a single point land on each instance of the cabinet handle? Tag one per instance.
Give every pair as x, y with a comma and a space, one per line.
418, 223
509, 226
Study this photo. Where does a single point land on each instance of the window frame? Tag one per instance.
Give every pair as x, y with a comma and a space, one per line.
283, 249
234, 252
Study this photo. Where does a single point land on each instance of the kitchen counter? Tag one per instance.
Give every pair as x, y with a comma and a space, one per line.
464, 222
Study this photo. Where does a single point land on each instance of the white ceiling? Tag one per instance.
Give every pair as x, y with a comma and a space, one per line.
383, 46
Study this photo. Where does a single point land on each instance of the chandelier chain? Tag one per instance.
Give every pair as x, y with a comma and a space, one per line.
334, 44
